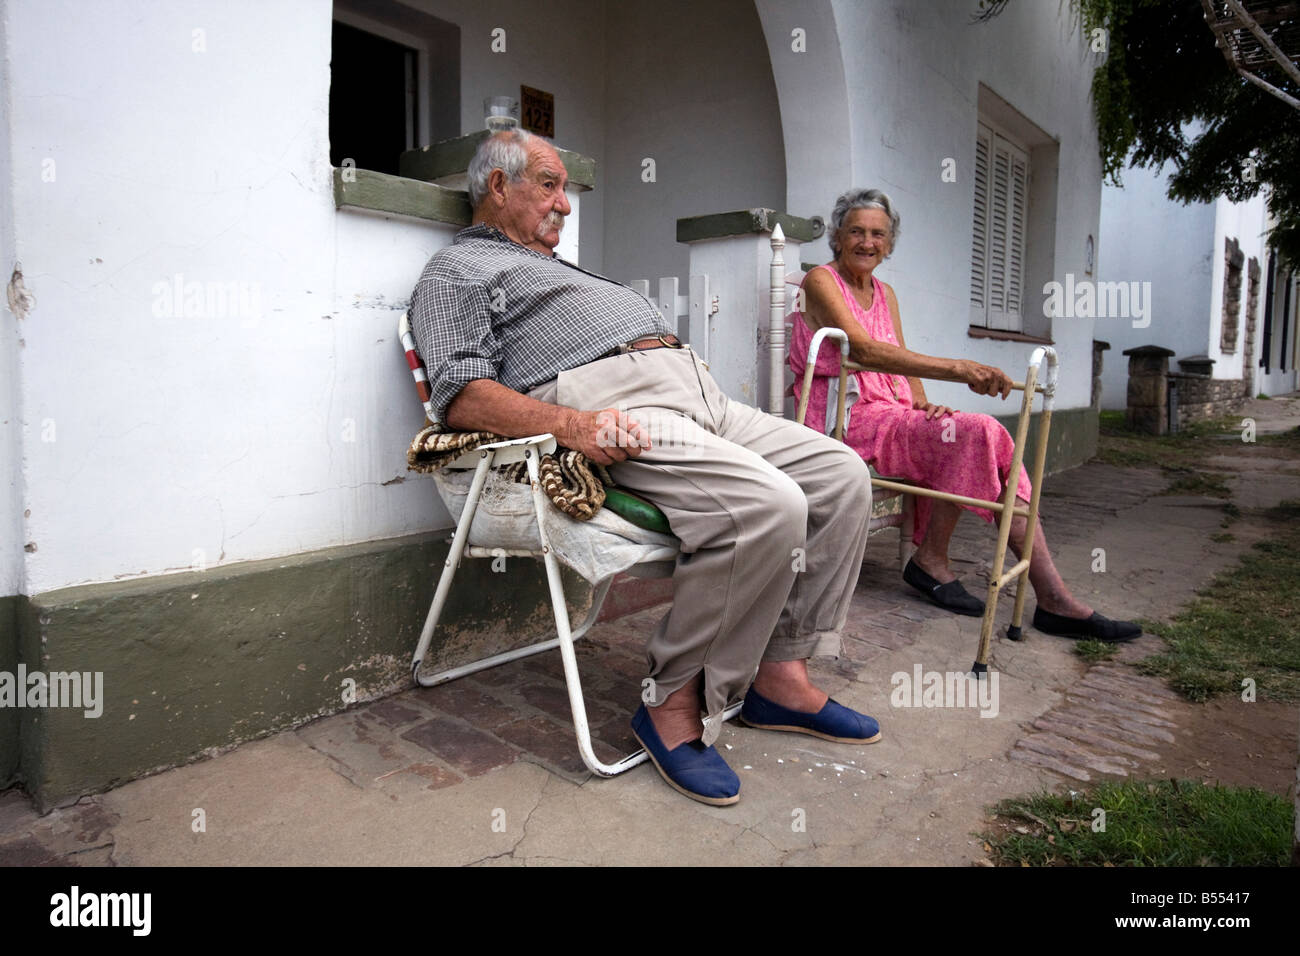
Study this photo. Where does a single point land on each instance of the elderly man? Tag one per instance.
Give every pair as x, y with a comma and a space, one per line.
772, 518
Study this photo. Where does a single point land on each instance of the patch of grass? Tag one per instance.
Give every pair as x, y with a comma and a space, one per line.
1244, 624
1263, 397
1211, 484
1223, 537
1150, 626
1224, 425
1287, 439
1112, 421
1094, 651
1121, 446
1165, 823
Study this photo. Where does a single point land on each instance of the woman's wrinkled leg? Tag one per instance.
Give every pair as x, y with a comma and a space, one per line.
932, 553
1050, 590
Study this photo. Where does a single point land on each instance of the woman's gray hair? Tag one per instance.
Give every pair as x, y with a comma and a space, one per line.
507, 152
863, 199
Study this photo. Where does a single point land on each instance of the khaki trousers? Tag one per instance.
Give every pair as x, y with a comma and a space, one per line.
772, 518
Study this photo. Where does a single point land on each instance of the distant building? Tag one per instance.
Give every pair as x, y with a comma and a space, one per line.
1219, 297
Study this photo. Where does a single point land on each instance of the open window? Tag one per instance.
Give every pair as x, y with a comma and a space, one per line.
394, 83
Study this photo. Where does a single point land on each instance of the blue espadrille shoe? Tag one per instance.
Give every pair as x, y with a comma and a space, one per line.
692, 769
833, 722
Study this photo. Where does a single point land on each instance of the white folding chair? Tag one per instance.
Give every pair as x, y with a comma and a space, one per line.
529, 539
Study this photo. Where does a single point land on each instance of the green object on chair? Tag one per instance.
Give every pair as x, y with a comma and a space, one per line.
637, 510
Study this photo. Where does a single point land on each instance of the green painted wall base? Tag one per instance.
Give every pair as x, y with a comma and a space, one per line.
9, 718
1072, 441
197, 662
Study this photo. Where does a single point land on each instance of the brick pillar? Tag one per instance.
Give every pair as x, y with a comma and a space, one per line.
1252, 303
1098, 347
1148, 402
1233, 260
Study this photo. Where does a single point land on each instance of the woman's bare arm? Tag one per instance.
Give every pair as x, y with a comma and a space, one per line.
824, 306
917, 386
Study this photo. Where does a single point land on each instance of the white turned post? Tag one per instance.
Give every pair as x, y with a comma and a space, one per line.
747, 337
776, 328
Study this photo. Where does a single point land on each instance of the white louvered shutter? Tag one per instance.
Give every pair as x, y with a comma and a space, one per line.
979, 253
1007, 256
998, 238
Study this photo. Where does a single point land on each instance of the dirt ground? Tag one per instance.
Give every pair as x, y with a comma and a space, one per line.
1222, 741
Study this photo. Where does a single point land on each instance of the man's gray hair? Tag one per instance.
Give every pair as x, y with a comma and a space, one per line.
507, 152
863, 199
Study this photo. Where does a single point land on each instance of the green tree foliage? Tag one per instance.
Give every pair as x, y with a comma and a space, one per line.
1165, 93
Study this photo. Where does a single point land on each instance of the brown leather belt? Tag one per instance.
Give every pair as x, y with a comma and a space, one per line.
644, 344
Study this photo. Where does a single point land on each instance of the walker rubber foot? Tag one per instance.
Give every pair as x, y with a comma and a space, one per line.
1014, 633
978, 669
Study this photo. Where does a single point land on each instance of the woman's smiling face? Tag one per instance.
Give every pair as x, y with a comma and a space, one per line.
865, 239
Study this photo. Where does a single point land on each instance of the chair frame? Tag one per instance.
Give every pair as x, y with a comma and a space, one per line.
1005, 509
483, 460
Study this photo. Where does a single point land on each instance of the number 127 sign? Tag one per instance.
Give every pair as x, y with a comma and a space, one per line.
537, 111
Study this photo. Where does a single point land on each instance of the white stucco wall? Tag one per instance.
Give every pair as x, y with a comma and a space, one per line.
1146, 237
688, 85
11, 485
814, 106
554, 46
223, 437
913, 72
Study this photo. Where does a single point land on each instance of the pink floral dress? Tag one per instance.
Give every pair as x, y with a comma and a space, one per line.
895, 438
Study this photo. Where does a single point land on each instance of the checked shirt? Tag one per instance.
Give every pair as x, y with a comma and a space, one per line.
487, 307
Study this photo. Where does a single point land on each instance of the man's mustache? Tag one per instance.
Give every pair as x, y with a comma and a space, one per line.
553, 221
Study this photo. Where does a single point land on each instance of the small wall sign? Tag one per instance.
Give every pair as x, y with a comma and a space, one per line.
537, 111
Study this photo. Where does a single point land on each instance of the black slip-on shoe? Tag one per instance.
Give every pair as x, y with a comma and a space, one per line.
1097, 627
951, 596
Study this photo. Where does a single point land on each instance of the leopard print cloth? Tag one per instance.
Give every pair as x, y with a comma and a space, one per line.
574, 483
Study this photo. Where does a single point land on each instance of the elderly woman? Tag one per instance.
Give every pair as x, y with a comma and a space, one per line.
895, 428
